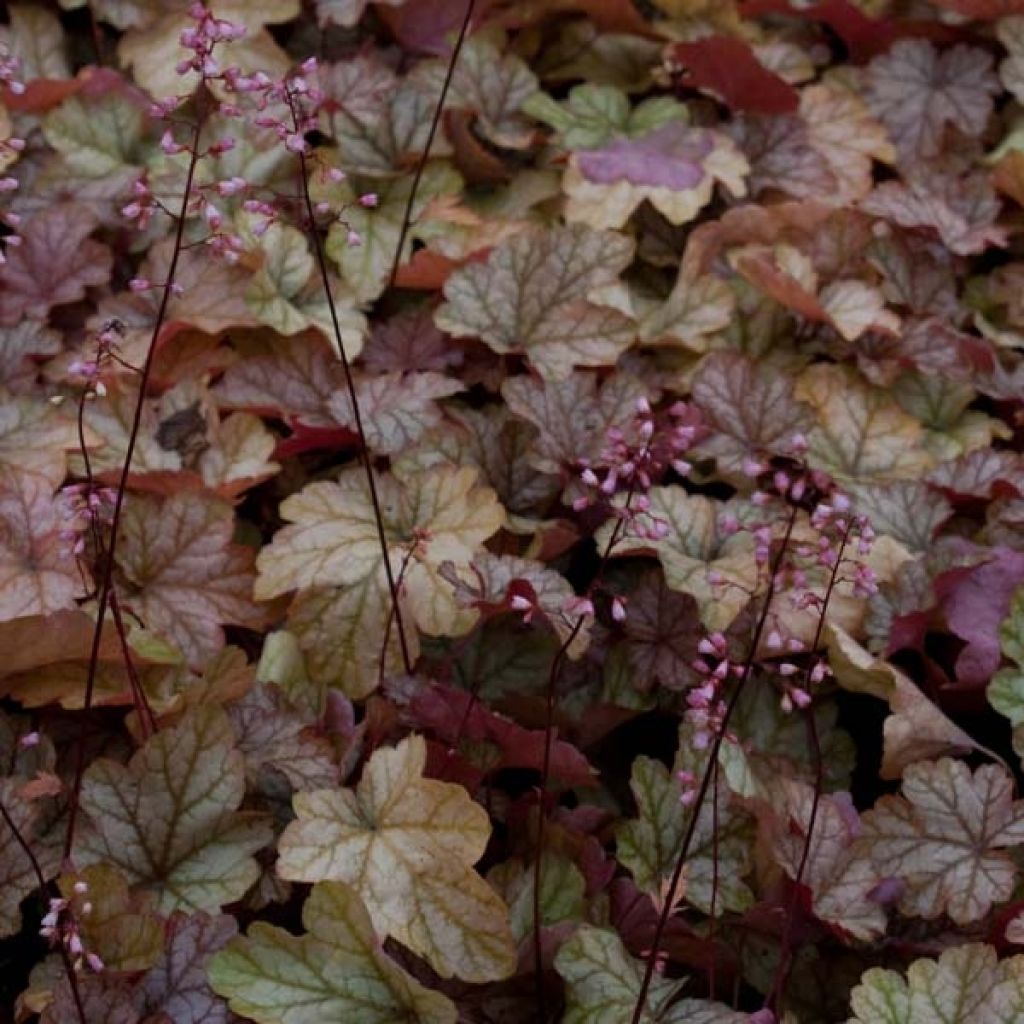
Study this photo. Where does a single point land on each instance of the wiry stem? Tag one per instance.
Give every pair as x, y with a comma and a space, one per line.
708, 774
785, 952
545, 776
107, 569
435, 121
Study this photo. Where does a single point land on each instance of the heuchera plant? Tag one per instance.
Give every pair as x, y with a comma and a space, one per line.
511, 512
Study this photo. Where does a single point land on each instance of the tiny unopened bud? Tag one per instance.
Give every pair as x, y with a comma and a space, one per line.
369, 200
140, 284
29, 740
618, 609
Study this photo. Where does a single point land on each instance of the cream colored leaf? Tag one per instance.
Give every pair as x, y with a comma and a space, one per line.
332, 625
842, 128
968, 984
153, 51
438, 515
366, 267
34, 436
675, 167
694, 311
916, 730
408, 845
854, 307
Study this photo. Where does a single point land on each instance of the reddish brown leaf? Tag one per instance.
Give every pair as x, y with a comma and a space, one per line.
728, 68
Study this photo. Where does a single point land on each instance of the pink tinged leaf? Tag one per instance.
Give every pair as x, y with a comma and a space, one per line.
975, 604
37, 573
961, 210
54, 264
409, 341
917, 91
177, 984
668, 157
184, 576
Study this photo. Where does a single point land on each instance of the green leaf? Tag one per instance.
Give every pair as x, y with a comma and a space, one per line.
408, 845
533, 295
693, 549
603, 986
169, 819
287, 294
649, 845
862, 434
1006, 690
968, 984
593, 114
562, 888
97, 135
335, 971
366, 267
332, 625
120, 926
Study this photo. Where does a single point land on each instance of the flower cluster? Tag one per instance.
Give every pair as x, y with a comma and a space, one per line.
60, 926
83, 508
289, 107
9, 148
636, 457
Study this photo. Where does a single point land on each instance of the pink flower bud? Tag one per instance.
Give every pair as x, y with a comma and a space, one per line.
618, 609
140, 284
369, 200
29, 740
